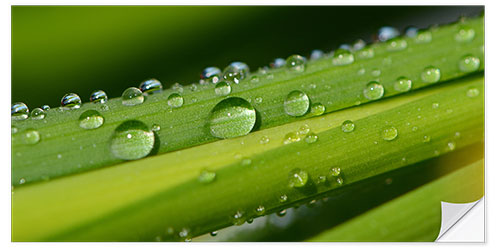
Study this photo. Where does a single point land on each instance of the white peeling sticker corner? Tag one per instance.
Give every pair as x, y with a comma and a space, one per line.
456, 224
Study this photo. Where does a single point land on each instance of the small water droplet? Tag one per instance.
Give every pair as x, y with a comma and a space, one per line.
317, 109
38, 114
316, 54
46, 107
457, 135
278, 63
361, 71
435, 105
472, 92
14, 129
340, 180
465, 34
238, 218
206, 176
254, 79
98, 96
235, 72
151, 86
469, 63
258, 99
260, 210
411, 31
451, 146
396, 44
281, 213
296, 63
264, 139
431, 75
297, 178
414, 129
71, 101
365, 53
342, 57
345, 47
358, 45
335, 172
91, 119
373, 91
376, 72
348, 126
296, 103
175, 100
22, 181
232, 117
402, 84
213, 233
423, 36
389, 133
193, 87
385, 33
59, 156
184, 233
304, 129
178, 87
321, 179
211, 74
311, 138
132, 140
31, 136
155, 128
283, 198
292, 137
132, 96
222, 88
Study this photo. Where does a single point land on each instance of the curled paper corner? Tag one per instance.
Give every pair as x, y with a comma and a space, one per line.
456, 226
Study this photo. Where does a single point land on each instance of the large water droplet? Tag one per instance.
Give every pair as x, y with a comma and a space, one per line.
91, 119
98, 96
31, 136
296, 63
296, 103
132, 96
151, 86
206, 176
402, 84
211, 74
71, 101
132, 140
385, 33
389, 133
222, 89
348, 126
342, 57
235, 72
175, 100
396, 44
19, 111
431, 75
373, 91
297, 178
38, 114
469, 63
232, 117
317, 109
465, 34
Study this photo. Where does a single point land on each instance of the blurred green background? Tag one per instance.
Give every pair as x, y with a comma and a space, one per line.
61, 49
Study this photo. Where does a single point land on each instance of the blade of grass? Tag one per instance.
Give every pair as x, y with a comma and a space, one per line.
65, 148
416, 216
135, 200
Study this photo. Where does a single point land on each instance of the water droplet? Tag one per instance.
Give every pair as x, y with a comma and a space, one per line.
258, 99
472, 92
206, 176
232, 117
292, 137
451, 146
242, 67
345, 47
211, 74
373, 91
155, 128
431, 75
22, 181
296, 103
14, 129
46, 107
37, 114
340, 180
402, 84
235, 72
365, 53
281, 213
151, 86
457, 135
238, 218
465, 34
184, 233
264, 140
317, 109
178, 87
316, 54
193, 87
175, 100
296, 63
335, 172
348, 126
132, 96
98, 96
435, 105
361, 71
222, 88
283, 198
311, 138
396, 44
376, 72
342, 57
423, 36
321, 179
358, 45
91, 119
304, 129
414, 129
246, 161
71, 101
132, 140
254, 79
389, 133
31, 136
260, 210
278, 63
411, 31
297, 178
385, 33
469, 63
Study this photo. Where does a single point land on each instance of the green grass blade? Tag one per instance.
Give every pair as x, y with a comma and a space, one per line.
64, 147
415, 216
139, 199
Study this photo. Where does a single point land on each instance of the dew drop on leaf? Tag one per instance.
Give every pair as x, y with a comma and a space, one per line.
423, 36
386, 33
342, 57
155, 128
211, 74
431, 75
297, 178
469, 63
98, 96
151, 86
213, 233
472, 92
389, 133
31, 136
278, 63
175, 100
317, 109
281, 213
71, 101
19, 111
283, 198
365, 53
206, 176
46, 107
91, 119
222, 88
348, 126
260, 210
38, 114
132, 140
132, 96
296, 103
316, 54
232, 117
311, 138
465, 34
296, 63
373, 91
396, 44
402, 84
